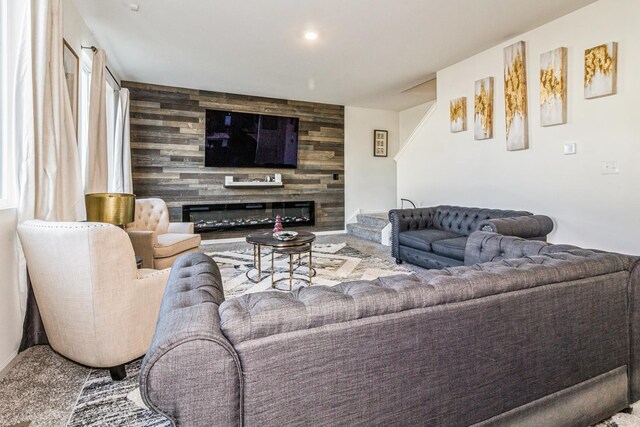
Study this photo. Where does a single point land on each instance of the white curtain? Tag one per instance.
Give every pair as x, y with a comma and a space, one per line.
41, 128
96, 163
120, 180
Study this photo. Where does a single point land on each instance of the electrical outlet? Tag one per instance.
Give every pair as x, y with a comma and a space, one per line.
570, 148
610, 167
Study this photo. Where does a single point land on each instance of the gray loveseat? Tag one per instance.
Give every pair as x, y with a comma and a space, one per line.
436, 237
548, 337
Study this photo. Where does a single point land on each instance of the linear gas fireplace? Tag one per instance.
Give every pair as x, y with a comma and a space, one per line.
223, 217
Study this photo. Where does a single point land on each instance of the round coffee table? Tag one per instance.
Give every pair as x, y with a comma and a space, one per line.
301, 244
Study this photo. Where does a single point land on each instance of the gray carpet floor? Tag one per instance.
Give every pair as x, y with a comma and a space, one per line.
43, 388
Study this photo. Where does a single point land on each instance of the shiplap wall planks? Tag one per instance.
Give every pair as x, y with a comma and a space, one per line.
167, 151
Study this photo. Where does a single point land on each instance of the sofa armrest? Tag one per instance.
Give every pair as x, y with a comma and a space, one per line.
191, 373
180, 227
490, 247
527, 227
408, 219
143, 243
634, 329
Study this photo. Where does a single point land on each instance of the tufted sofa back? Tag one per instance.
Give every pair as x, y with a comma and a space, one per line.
259, 315
463, 220
151, 215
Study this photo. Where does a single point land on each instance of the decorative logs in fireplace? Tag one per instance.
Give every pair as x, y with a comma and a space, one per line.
228, 216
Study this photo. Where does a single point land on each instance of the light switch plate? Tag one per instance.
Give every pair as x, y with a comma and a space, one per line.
570, 148
610, 167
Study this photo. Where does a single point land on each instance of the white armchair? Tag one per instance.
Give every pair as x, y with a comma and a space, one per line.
158, 241
97, 308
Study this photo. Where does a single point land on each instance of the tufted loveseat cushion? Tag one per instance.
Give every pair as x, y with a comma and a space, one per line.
452, 248
463, 220
424, 238
259, 315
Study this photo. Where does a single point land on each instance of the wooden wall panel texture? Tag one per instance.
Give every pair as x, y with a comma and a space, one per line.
167, 152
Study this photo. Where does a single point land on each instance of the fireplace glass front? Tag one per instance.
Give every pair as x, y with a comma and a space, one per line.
222, 217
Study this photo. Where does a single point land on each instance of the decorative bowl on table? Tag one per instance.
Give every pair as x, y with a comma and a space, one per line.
285, 235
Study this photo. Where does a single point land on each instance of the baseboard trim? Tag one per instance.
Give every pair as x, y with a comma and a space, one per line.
242, 239
8, 364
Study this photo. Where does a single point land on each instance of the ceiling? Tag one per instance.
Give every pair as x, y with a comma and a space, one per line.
369, 53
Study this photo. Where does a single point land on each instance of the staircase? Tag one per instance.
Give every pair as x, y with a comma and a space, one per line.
373, 226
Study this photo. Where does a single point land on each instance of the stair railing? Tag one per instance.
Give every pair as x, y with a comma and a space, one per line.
406, 200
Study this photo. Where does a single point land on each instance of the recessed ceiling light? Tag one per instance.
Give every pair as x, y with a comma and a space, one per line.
310, 35
134, 7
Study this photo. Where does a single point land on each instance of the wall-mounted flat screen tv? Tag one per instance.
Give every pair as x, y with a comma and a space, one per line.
245, 140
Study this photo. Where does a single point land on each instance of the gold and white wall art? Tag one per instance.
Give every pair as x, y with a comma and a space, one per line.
458, 114
515, 96
553, 87
600, 73
483, 109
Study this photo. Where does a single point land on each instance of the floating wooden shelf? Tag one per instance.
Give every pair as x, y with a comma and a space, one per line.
253, 184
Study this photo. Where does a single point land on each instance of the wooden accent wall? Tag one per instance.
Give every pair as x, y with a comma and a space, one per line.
167, 152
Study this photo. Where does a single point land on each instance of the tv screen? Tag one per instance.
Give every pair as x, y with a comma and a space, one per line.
245, 140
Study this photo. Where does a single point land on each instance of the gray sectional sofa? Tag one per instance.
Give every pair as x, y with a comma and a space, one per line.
530, 334
436, 237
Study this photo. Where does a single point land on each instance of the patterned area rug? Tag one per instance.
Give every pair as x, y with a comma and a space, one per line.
104, 402
333, 264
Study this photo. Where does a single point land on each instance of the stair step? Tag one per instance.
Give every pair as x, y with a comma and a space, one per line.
365, 232
378, 220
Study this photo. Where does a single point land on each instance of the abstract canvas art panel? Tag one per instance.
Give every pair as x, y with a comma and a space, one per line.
553, 87
483, 109
600, 73
515, 96
458, 114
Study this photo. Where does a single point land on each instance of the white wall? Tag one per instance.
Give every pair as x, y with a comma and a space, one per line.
590, 209
77, 34
370, 182
10, 316
410, 118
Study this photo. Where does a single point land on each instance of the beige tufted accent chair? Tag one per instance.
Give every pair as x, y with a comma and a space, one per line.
158, 241
98, 309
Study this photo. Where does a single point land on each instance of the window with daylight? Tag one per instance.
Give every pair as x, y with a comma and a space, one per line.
113, 95
83, 108
4, 102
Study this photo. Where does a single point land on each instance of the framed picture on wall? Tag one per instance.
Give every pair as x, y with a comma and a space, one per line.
380, 143
71, 63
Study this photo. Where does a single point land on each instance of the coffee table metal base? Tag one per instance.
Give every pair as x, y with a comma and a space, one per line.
257, 267
295, 250
255, 274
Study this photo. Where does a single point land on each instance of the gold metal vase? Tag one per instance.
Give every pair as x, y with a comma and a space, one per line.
113, 208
